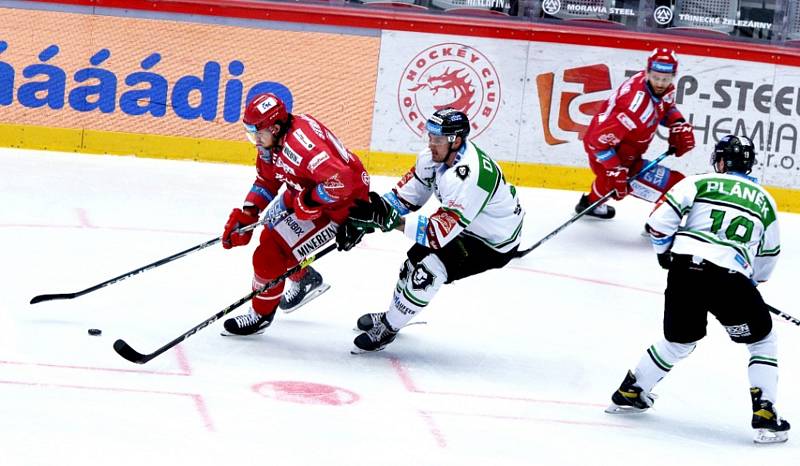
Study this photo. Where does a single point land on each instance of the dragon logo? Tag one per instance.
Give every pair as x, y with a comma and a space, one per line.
449, 75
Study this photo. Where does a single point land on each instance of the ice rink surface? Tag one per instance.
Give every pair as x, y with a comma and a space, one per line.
514, 367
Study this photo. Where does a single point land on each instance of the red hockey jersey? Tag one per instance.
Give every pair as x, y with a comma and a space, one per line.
310, 157
625, 125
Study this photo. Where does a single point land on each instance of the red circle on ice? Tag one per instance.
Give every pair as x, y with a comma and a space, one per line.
306, 393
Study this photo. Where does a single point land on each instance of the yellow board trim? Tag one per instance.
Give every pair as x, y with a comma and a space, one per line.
241, 152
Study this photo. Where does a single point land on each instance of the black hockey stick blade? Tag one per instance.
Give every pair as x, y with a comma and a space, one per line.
125, 350
49, 297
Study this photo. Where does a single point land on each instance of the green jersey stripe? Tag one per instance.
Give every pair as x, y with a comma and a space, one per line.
706, 238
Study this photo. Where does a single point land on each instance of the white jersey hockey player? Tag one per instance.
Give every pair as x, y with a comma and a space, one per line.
477, 227
718, 236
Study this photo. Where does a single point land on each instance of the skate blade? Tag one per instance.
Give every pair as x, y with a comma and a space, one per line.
617, 409
226, 333
313, 294
766, 436
356, 350
421, 322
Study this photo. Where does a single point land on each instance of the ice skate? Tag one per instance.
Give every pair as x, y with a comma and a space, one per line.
769, 427
299, 293
603, 211
630, 398
368, 321
376, 338
247, 324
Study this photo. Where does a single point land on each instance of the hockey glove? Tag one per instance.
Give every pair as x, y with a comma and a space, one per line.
681, 137
349, 235
618, 181
665, 260
377, 213
305, 207
238, 218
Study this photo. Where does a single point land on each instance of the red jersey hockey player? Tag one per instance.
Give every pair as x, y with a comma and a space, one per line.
622, 131
322, 180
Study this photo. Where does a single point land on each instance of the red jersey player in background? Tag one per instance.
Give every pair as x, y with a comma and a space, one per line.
622, 131
322, 179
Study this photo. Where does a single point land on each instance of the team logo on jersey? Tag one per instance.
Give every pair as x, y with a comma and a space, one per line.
365, 178
449, 75
421, 277
333, 182
568, 99
462, 172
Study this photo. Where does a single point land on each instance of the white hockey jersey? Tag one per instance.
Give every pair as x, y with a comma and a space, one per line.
475, 198
730, 221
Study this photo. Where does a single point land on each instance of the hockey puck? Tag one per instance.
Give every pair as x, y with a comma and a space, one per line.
95, 332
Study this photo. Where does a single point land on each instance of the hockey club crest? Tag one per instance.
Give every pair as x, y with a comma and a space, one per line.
449, 75
421, 278
462, 172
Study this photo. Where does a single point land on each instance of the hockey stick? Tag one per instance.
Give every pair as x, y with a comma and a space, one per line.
783, 315
125, 350
596, 203
158, 263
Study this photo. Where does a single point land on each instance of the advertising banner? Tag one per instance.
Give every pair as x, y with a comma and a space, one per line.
420, 73
173, 78
531, 102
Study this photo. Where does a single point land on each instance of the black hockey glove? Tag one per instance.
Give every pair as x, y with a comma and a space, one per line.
349, 235
665, 260
377, 213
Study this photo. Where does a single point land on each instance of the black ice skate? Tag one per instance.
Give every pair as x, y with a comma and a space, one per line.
630, 398
603, 211
369, 321
376, 338
769, 427
299, 293
247, 324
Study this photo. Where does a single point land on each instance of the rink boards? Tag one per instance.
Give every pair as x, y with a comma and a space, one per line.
173, 86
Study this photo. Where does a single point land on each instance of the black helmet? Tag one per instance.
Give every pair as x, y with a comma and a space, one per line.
738, 153
448, 122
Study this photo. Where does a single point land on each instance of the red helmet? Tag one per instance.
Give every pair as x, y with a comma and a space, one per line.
264, 111
663, 60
